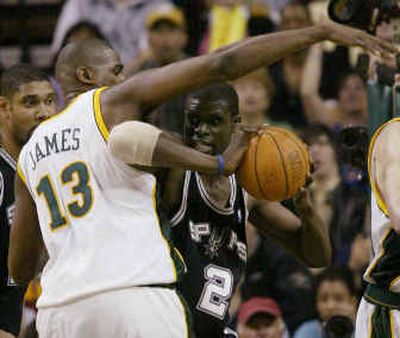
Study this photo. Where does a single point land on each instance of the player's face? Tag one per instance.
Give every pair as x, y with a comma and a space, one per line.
108, 69
262, 327
167, 41
334, 298
323, 156
353, 95
33, 103
208, 126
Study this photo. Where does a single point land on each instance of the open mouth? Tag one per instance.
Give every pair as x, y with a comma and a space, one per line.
203, 147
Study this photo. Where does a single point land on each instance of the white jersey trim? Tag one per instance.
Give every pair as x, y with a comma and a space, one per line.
182, 209
211, 203
7, 157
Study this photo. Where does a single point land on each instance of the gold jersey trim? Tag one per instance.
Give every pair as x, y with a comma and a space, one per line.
98, 116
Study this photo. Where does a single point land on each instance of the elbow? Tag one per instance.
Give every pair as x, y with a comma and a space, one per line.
320, 260
223, 67
19, 274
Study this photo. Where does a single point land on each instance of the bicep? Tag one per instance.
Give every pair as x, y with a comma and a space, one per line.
153, 87
25, 238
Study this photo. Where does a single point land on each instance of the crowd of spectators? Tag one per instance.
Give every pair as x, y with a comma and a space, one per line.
306, 92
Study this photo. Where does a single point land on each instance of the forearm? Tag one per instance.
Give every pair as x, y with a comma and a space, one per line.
264, 50
24, 263
169, 153
314, 240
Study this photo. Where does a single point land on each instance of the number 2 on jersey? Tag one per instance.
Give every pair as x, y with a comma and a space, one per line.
82, 188
217, 291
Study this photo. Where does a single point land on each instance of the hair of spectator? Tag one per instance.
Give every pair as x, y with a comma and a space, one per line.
299, 3
337, 273
314, 131
16, 76
79, 53
263, 77
343, 78
219, 92
83, 25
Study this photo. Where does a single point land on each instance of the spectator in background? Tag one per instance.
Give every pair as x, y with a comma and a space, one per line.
255, 91
335, 296
273, 272
261, 317
287, 74
351, 108
167, 39
227, 23
121, 21
342, 206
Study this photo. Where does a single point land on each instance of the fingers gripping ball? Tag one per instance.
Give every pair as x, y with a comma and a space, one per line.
275, 166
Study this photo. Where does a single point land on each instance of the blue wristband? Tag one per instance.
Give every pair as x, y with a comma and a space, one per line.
220, 164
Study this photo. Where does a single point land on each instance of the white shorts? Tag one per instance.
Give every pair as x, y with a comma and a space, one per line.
141, 312
366, 327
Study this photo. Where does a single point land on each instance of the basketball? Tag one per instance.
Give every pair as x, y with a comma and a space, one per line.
275, 166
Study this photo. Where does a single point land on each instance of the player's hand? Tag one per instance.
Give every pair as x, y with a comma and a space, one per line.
302, 201
355, 37
238, 146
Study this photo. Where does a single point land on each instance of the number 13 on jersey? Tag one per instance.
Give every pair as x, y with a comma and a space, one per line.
78, 173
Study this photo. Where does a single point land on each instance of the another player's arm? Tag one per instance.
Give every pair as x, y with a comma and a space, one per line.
306, 237
152, 87
140, 144
26, 244
385, 170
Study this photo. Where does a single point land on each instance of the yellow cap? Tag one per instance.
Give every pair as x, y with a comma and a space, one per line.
167, 13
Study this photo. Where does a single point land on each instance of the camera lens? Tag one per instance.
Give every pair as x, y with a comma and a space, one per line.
338, 327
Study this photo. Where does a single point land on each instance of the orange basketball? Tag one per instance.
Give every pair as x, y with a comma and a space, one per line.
275, 165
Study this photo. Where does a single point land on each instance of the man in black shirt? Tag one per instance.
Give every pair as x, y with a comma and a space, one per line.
27, 98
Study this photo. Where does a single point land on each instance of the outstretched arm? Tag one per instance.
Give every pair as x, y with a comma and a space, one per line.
385, 170
152, 87
306, 237
140, 144
26, 244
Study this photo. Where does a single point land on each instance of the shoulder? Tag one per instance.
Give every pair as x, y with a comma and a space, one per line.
309, 329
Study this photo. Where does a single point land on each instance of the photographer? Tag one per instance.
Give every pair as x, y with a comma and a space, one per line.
335, 304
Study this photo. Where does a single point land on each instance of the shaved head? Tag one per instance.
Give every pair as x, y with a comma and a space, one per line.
81, 65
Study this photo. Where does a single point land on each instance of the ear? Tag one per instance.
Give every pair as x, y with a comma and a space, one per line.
4, 108
85, 75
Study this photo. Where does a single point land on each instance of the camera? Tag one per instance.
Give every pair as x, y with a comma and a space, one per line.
338, 327
353, 142
363, 14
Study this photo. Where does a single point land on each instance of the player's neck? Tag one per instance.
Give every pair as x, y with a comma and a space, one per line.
11, 147
72, 93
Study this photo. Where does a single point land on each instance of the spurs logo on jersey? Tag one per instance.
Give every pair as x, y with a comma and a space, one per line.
384, 269
213, 242
98, 216
214, 239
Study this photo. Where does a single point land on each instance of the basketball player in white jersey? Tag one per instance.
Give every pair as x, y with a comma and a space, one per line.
379, 311
111, 271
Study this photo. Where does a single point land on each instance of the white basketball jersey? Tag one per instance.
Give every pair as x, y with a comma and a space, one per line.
384, 269
98, 216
